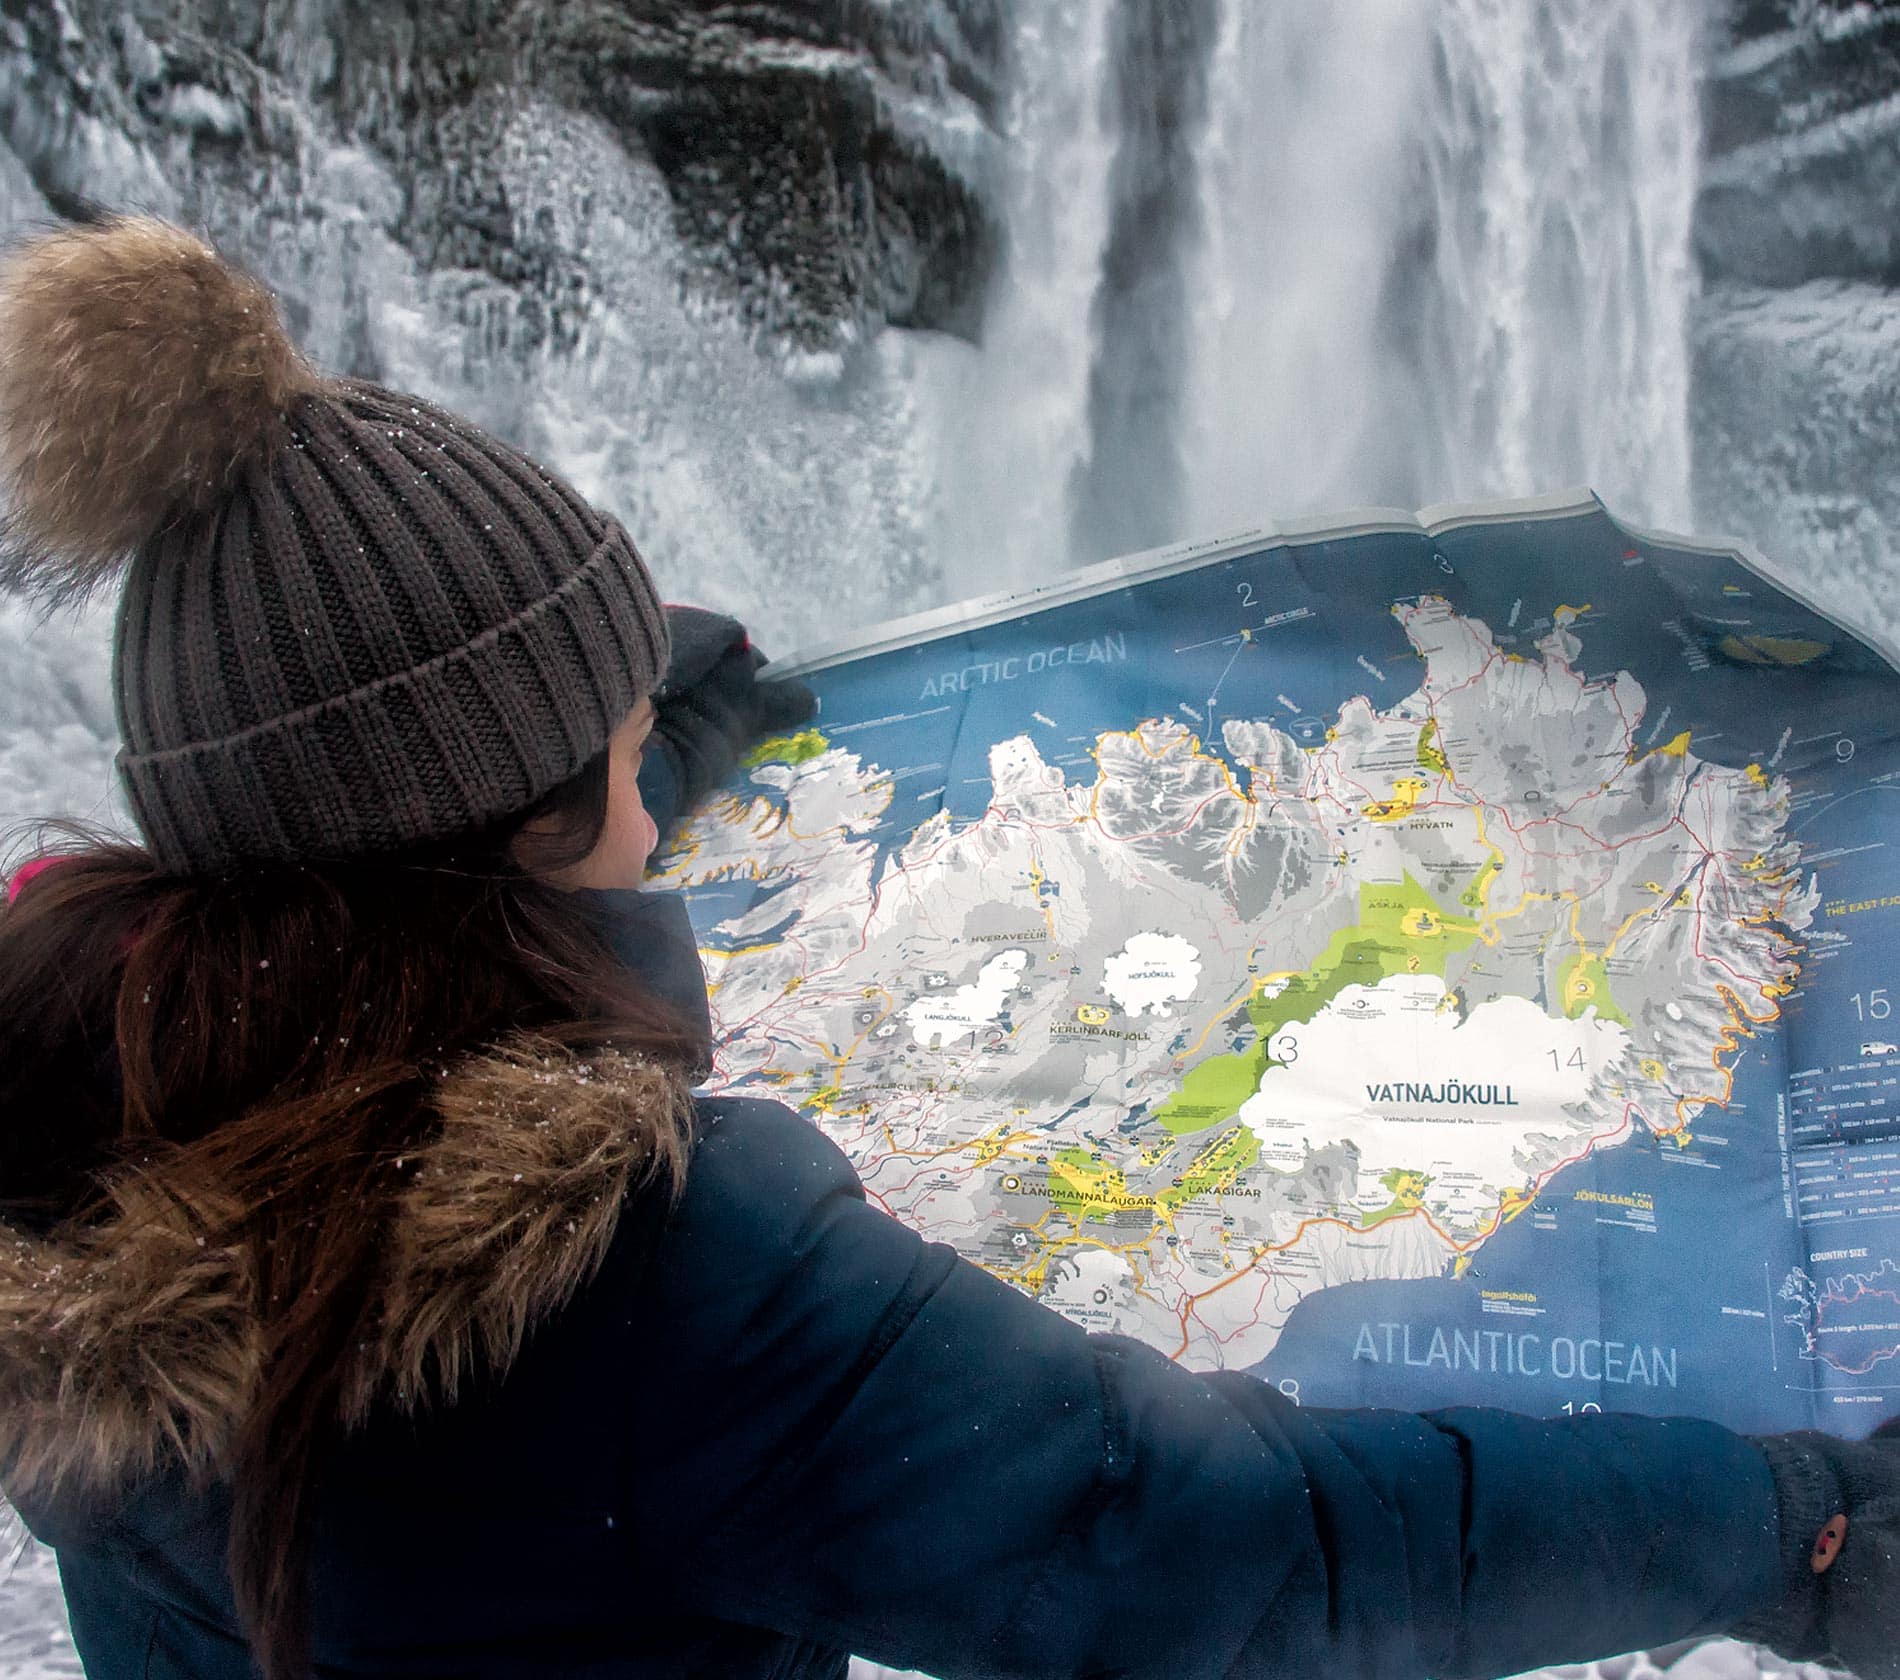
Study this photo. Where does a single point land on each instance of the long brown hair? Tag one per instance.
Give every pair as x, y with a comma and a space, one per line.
283, 1026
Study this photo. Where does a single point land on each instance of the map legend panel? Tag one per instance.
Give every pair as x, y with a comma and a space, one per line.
1847, 1182
1858, 1101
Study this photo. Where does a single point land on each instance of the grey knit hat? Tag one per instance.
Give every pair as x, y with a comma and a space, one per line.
350, 621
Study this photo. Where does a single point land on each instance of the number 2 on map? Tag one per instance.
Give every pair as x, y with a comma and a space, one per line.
1245, 591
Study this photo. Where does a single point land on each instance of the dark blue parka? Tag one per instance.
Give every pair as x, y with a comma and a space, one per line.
776, 1426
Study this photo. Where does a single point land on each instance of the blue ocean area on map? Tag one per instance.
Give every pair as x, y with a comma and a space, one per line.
1844, 819
1684, 1307
1671, 1274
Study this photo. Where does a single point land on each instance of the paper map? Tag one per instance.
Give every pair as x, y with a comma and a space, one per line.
1421, 961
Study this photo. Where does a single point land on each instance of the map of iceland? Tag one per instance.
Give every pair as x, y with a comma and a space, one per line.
1848, 1321
1209, 1020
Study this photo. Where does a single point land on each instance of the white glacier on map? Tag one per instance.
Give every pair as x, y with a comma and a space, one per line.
940, 1019
1153, 971
1364, 1060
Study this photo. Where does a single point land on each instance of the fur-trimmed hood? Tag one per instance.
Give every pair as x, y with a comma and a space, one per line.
134, 1344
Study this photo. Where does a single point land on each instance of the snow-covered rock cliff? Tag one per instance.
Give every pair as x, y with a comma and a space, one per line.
1795, 395
653, 242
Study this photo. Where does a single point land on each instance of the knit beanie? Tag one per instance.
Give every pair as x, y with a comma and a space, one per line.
350, 622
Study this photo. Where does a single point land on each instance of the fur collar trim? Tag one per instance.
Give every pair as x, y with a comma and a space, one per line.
134, 1343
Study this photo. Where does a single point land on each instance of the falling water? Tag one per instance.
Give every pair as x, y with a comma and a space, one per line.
1013, 420
1389, 253
1449, 255
1129, 491
1561, 175
1300, 401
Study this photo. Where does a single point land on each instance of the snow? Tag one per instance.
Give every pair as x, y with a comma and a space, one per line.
57, 735
1750, 57
35, 1643
1797, 417
1851, 133
190, 106
1718, 1660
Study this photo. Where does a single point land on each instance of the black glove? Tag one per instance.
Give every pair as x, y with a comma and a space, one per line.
1840, 1547
710, 707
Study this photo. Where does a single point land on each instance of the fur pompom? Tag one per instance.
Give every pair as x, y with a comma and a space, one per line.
139, 374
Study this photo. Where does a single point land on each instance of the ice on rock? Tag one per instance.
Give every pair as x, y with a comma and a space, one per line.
57, 734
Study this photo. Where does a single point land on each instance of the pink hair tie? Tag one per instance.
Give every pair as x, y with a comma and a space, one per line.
26, 872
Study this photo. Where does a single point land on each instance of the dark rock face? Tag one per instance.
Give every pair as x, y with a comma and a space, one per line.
654, 242
787, 134
1797, 419
1795, 390
1804, 150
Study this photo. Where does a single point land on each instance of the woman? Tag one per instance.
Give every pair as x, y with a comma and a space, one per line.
376, 1299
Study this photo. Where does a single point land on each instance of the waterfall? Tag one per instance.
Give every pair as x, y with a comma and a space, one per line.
1129, 491
1010, 423
1256, 261
1300, 403
1563, 178
1335, 253
1449, 256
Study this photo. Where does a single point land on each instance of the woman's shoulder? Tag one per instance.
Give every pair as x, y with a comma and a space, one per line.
771, 1217
756, 1153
